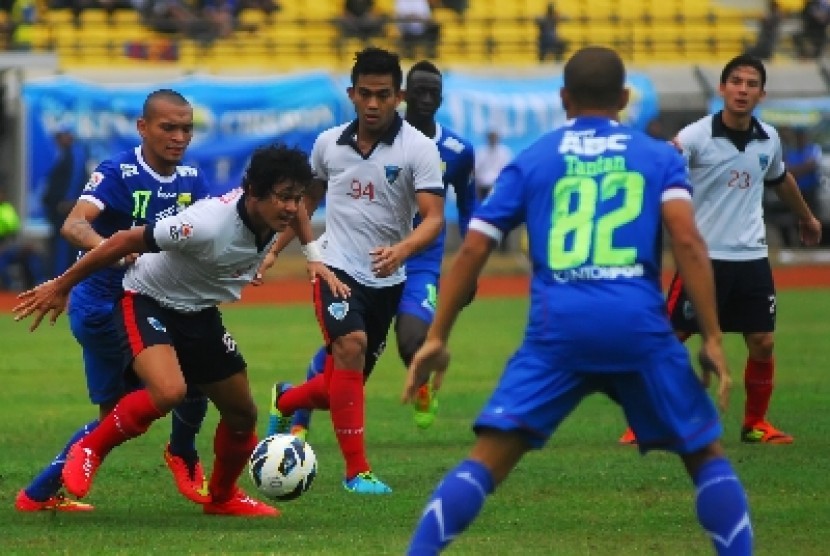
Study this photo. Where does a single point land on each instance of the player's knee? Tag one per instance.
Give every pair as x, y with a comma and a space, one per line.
349, 351
240, 417
760, 346
168, 394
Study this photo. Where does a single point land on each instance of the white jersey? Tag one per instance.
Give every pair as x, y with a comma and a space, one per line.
728, 185
206, 255
371, 200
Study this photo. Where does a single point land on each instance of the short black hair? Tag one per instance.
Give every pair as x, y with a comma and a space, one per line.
423, 65
276, 164
595, 77
744, 60
161, 94
377, 61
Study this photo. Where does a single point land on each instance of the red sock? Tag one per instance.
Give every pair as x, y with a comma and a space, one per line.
312, 394
348, 417
758, 382
232, 450
131, 417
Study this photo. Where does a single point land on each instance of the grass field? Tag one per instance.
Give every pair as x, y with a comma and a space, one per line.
583, 494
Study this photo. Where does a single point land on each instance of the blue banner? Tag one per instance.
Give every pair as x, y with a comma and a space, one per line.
232, 118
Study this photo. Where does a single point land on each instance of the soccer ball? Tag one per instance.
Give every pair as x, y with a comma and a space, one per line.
282, 466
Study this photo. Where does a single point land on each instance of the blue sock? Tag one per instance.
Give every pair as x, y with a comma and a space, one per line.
453, 507
49, 482
302, 417
722, 508
187, 420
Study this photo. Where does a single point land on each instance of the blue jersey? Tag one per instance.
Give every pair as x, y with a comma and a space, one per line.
129, 193
458, 161
590, 194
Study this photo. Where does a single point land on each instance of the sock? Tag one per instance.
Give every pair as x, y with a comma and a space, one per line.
231, 450
49, 481
187, 420
722, 508
758, 381
347, 399
131, 417
452, 508
302, 416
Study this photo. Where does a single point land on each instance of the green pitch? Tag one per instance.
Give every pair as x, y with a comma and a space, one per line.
583, 494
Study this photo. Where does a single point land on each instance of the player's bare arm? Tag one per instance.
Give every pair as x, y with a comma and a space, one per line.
51, 296
808, 225
694, 266
77, 228
387, 260
433, 357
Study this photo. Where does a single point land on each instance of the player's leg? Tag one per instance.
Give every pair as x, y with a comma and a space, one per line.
180, 454
669, 410
301, 420
138, 323
415, 313
530, 392
93, 328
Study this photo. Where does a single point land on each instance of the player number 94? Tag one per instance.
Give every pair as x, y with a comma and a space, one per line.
362, 191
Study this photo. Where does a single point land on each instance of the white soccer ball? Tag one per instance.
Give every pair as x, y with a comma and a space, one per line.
283, 466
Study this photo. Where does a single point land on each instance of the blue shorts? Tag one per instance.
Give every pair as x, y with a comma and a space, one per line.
664, 401
94, 329
420, 294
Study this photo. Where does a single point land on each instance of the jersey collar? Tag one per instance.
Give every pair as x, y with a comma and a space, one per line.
243, 215
756, 130
349, 134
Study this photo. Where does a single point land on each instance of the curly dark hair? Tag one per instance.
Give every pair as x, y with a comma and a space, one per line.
377, 61
276, 164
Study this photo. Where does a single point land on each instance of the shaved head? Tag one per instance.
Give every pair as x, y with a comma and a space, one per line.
595, 78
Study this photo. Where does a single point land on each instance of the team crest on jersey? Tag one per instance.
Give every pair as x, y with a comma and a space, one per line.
181, 232
94, 181
183, 200
339, 310
154, 322
763, 160
392, 173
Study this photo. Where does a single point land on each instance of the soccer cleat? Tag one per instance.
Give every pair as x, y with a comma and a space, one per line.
242, 505
764, 433
426, 406
80, 468
366, 483
189, 479
300, 432
628, 438
277, 422
56, 503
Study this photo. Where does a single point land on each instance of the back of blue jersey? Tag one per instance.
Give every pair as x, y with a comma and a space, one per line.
590, 194
458, 161
129, 193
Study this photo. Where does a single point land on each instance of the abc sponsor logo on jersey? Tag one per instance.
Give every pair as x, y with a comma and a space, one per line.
181, 232
94, 181
585, 143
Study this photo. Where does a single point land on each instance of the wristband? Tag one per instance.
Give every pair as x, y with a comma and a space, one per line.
312, 252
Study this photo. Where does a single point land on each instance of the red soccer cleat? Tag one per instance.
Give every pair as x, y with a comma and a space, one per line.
56, 503
190, 479
242, 505
628, 438
80, 468
764, 433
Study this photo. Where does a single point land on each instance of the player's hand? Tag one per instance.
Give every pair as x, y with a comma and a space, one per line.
319, 270
48, 297
675, 142
267, 262
713, 362
432, 359
387, 260
810, 231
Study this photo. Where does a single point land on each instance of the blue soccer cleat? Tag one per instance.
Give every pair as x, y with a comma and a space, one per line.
366, 483
277, 422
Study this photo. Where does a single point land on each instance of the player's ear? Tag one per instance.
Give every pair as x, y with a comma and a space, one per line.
566, 101
141, 126
625, 96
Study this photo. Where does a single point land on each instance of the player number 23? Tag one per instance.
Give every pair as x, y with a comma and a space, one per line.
577, 234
